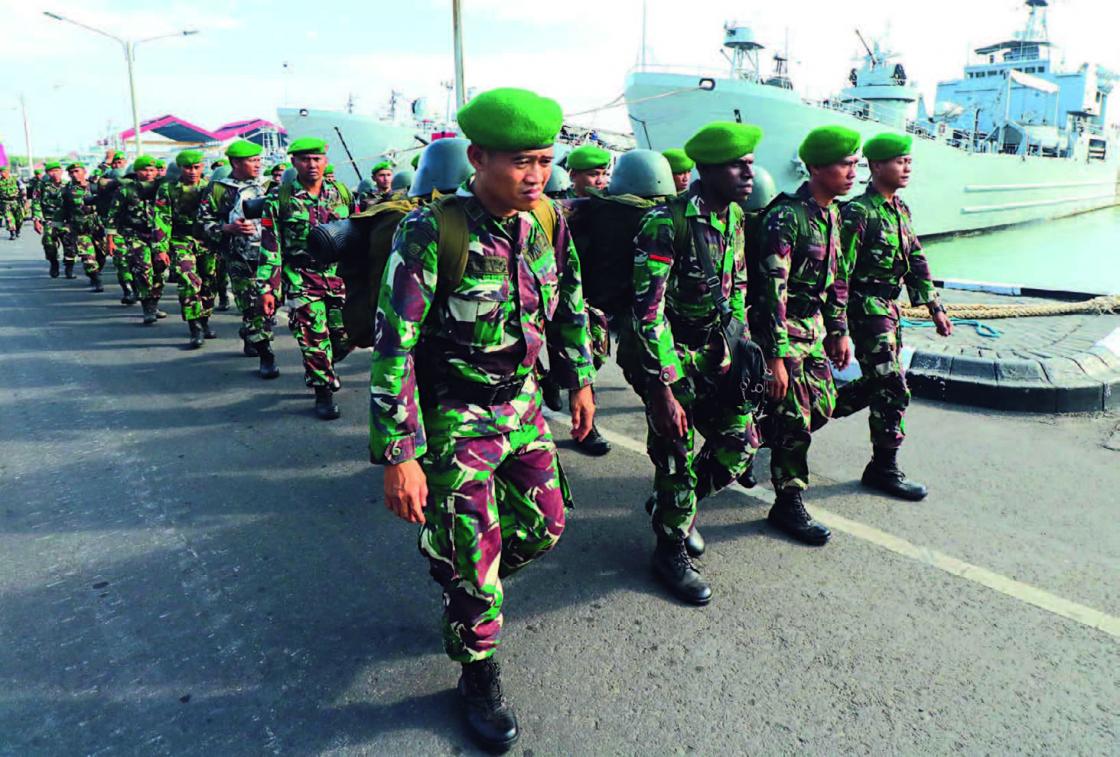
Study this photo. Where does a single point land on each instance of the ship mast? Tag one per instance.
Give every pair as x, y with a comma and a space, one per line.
1036, 30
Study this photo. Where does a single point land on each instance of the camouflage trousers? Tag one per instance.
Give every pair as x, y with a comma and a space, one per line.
194, 269
682, 476
255, 326
495, 503
53, 238
790, 422
11, 215
315, 320
221, 275
148, 268
882, 383
120, 258
86, 250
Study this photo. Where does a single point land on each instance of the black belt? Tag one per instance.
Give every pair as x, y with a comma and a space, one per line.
475, 393
877, 289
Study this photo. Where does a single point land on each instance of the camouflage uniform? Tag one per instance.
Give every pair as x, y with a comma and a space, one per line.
132, 218
496, 493
78, 213
45, 204
314, 294
11, 204
802, 295
241, 254
194, 266
113, 242
681, 344
881, 252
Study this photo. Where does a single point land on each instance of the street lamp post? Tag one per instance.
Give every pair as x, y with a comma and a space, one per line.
129, 47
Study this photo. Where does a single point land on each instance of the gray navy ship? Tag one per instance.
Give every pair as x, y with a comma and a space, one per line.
1014, 140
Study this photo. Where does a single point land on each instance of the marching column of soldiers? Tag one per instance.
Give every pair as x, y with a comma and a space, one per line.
727, 305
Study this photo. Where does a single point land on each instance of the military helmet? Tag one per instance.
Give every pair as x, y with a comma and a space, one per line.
402, 179
290, 174
644, 173
173, 171
443, 166
559, 182
764, 191
365, 186
221, 173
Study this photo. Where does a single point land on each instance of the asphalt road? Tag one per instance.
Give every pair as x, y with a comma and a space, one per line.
192, 563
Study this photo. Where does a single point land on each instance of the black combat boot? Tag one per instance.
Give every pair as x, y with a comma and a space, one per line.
267, 369
11, 234
159, 313
882, 473
126, 295
746, 478
694, 543
149, 307
196, 335
95, 282
324, 404
68, 269
54, 269
223, 300
550, 393
489, 716
790, 516
207, 332
673, 566
594, 444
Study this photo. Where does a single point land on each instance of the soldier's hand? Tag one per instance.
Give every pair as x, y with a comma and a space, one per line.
406, 490
240, 226
779, 382
38, 226
666, 414
839, 350
582, 403
268, 305
943, 324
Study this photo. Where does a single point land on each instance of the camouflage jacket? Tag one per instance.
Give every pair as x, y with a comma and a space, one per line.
47, 200
675, 315
881, 250
802, 287
132, 212
177, 209
78, 211
286, 267
10, 190
519, 290
220, 205
366, 200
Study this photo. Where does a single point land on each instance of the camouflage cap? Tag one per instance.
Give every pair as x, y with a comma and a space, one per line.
51, 165
722, 142
586, 157
679, 162
511, 119
243, 148
144, 161
887, 145
384, 165
308, 146
188, 158
826, 145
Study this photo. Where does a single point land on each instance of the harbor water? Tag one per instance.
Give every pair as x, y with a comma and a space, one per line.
1080, 254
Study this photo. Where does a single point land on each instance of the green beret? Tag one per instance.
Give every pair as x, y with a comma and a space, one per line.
308, 146
826, 145
679, 162
887, 145
219, 163
72, 166
161, 163
51, 164
586, 157
188, 158
280, 167
511, 119
143, 161
328, 169
118, 155
243, 148
722, 142
382, 166
38, 171
415, 161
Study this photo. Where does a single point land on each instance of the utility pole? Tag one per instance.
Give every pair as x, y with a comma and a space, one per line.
26, 131
457, 32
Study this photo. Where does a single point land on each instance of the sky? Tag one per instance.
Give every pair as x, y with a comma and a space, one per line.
75, 85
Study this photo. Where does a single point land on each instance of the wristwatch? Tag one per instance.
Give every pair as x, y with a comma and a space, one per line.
936, 307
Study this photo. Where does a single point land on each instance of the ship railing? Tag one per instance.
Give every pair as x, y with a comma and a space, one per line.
703, 72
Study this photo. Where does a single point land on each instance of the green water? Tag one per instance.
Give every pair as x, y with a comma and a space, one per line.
1079, 253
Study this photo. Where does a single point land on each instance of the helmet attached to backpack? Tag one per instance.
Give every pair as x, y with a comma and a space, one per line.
402, 179
443, 167
643, 173
764, 192
558, 181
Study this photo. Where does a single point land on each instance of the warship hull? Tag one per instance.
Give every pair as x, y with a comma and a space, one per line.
953, 190
368, 139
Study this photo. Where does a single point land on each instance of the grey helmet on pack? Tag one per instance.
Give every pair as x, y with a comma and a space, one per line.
443, 167
644, 173
365, 186
402, 179
764, 191
221, 173
558, 182
173, 171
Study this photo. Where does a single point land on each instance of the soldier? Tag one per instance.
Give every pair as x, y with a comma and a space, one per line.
681, 165
328, 173
276, 176
238, 240
381, 188
882, 253
11, 202
31, 188
161, 168
194, 266
313, 293
587, 166
78, 214
683, 351
45, 204
802, 296
132, 218
455, 408
114, 159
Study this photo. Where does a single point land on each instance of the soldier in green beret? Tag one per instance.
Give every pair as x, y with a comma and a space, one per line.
161, 168
382, 186
588, 167
455, 409
800, 319
681, 165
882, 255
328, 172
275, 174
45, 205
11, 202
132, 217
78, 213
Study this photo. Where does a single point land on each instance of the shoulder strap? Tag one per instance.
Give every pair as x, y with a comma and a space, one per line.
454, 242
677, 212
285, 194
715, 284
545, 213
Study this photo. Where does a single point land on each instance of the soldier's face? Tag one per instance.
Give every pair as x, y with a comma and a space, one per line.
836, 179
383, 179
117, 163
245, 168
55, 175
309, 167
591, 178
277, 175
508, 182
147, 173
78, 174
730, 182
190, 174
891, 174
681, 180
